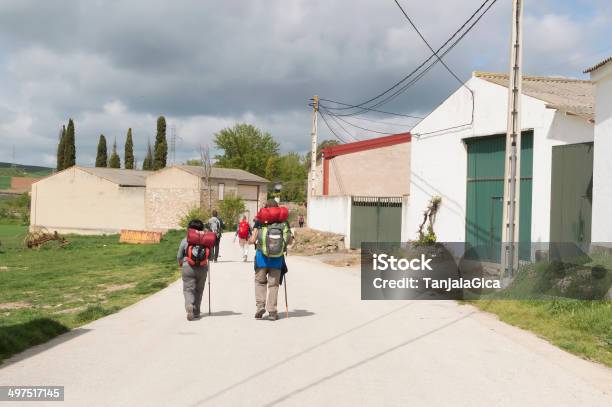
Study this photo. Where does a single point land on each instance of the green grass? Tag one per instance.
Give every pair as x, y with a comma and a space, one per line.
48, 291
581, 324
583, 328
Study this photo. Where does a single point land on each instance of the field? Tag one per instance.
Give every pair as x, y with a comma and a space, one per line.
34, 171
47, 292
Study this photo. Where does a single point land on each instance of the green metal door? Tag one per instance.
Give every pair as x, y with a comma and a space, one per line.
375, 219
571, 193
485, 191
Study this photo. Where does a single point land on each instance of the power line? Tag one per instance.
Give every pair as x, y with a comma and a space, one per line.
361, 105
354, 125
427, 43
330, 128
365, 108
342, 127
406, 86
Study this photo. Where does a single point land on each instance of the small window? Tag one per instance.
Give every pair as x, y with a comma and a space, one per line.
221, 191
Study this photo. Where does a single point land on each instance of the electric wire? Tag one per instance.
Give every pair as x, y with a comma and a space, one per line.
364, 108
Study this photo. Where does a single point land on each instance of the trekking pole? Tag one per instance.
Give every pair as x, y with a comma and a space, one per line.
286, 302
209, 312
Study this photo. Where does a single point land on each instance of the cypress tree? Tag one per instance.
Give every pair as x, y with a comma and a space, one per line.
147, 164
69, 146
161, 145
129, 151
115, 161
60, 149
102, 156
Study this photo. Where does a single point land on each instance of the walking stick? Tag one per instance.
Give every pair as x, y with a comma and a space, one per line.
209, 288
286, 303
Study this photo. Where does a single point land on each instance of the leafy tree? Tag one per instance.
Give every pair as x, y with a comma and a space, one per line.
246, 147
293, 175
60, 149
102, 156
147, 164
230, 208
69, 146
129, 151
161, 145
273, 168
321, 146
115, 161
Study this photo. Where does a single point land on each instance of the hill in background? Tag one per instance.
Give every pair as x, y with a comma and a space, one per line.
33, 171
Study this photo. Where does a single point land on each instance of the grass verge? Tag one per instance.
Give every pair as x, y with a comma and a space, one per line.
49, 291
583, 328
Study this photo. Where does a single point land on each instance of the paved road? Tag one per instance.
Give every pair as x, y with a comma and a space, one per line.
333, 350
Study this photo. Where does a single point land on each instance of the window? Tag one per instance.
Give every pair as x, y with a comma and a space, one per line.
221, 191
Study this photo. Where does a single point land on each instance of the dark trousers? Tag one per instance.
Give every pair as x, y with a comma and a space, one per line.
215, 250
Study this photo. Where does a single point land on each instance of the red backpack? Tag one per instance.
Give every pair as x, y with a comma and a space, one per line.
243, 230
198, 246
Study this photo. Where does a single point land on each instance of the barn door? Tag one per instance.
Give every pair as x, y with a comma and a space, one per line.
571, 193
484, 195
375, 219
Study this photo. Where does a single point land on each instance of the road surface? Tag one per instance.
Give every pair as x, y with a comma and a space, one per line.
332, 350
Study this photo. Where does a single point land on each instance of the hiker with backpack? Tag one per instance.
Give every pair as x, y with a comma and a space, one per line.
216, 225
192, 257
271, 236
243, 233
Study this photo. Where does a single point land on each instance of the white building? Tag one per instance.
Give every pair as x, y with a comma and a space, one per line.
601, 75
458, 154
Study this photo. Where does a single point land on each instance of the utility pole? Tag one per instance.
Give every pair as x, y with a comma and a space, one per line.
314, 145
510, 235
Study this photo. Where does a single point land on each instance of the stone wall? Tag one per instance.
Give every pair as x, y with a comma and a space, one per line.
166, 206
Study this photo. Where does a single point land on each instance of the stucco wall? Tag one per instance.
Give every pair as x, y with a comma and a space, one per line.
74, 201
602, 160
439, 160
330, 214
378, 172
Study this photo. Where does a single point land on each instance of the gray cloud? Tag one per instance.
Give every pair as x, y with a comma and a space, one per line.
117, 64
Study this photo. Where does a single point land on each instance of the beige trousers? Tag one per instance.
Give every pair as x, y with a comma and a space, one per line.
266, 278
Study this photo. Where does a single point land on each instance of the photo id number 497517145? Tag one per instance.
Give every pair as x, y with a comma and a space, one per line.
31, 393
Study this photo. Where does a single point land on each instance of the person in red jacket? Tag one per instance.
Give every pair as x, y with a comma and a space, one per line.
243, 233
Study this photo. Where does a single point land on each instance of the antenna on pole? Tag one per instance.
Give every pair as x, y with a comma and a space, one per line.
173, 143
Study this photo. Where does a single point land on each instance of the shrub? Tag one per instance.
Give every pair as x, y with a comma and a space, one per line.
195, 212
230, 210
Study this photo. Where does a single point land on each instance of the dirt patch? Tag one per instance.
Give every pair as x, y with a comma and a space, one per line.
69, 310
309, 242
15, 305
118, 287
343, 259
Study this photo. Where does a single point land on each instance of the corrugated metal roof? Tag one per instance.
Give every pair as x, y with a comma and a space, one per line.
224, 173
125, 178
599, 65
571, 96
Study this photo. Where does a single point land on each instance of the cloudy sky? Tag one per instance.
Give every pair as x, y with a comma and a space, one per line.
206, 65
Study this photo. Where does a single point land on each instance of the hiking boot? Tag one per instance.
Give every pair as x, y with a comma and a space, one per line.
272, 316
259, 313
190, 313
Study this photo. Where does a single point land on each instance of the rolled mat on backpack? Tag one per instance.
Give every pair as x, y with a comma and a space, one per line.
201, 238
273, 215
